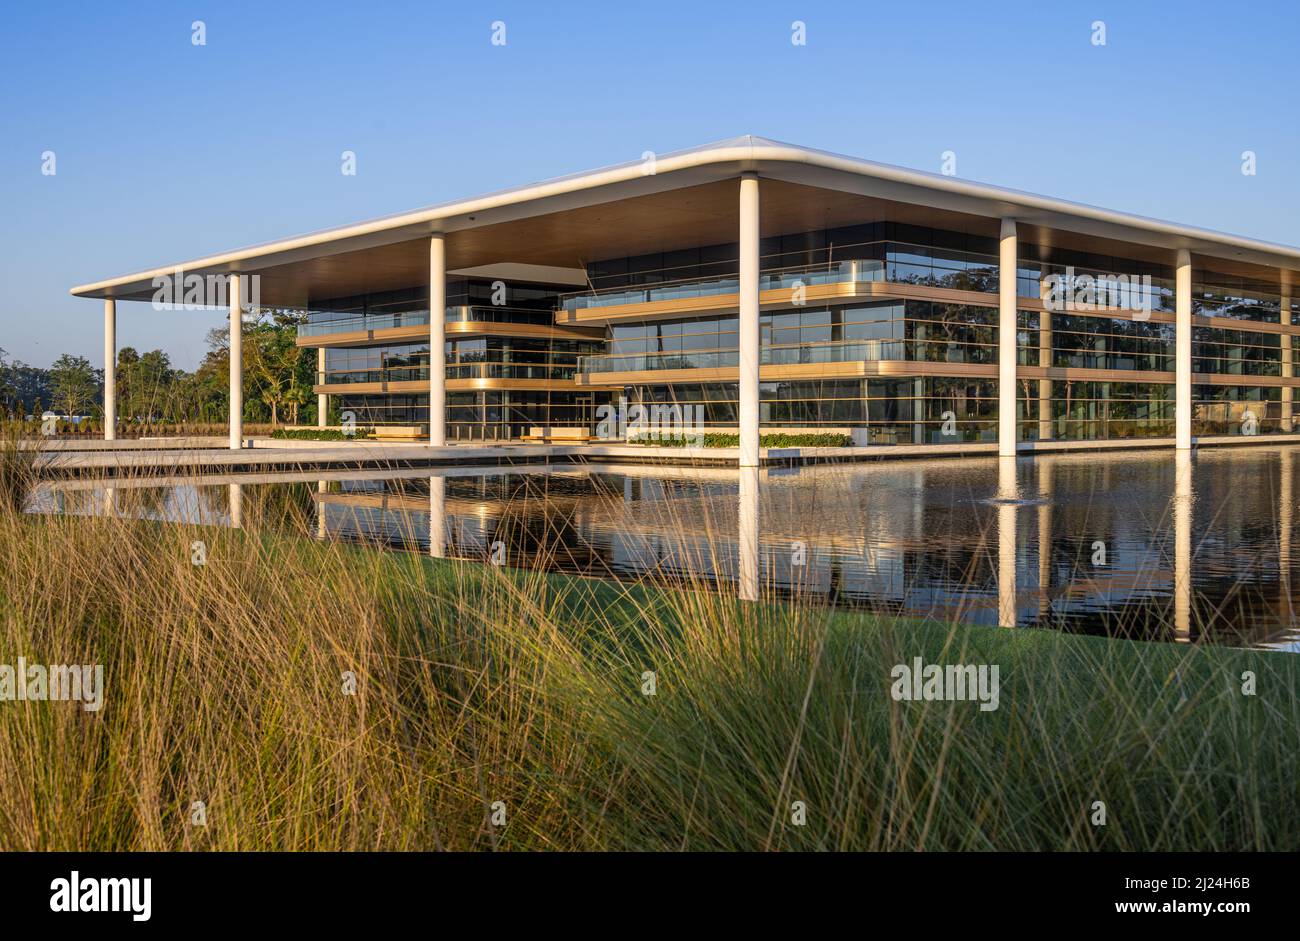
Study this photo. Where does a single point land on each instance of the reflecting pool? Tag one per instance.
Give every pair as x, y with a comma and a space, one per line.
1156, 545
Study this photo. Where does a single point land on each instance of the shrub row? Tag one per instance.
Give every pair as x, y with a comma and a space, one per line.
94, 428
715, 440
321, 434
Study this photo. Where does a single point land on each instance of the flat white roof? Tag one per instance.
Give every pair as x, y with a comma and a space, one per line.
710, 163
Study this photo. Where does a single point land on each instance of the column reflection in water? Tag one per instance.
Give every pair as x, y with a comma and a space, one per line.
236, 506
748, 535
1182, 511
320, 509
1006, 503
1285, 510
438, 517
1044, 465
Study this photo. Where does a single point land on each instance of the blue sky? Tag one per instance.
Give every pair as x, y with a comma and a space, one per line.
167, 151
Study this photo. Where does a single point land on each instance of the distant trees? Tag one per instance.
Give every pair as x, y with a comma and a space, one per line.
278, 380
7, 390
147, 386
272, 359
22, 387
76, 384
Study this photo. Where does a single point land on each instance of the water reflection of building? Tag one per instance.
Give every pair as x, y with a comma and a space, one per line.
1191, 544
999, 542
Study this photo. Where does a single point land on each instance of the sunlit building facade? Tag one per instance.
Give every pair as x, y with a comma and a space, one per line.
779, 288
1082, 374
509, 367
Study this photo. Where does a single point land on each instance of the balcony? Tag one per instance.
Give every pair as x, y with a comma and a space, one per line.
921, 351
496, 371
377, 327
386, 321
896, 262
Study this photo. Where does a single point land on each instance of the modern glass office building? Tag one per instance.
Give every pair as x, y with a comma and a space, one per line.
777, 287
1088, 372
509, 367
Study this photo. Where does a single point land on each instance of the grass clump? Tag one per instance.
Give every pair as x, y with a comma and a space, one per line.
17, 467
227, 683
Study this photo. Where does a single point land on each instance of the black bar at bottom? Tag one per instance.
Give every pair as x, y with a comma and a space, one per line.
640, 893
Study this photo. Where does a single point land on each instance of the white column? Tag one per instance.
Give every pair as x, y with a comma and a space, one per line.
236, 366
1008, 494
918, 397
438, 517
321, 488
322, 400
1183, 350
749, 329
1288, 357
747, 534
1007, 339
1183, 497
110, 369
1285, 516
1045, 385
437, 340
236, 506
1044, 467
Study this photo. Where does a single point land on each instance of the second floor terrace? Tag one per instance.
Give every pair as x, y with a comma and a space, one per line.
857, 270
329, 328
472, 374
801, 354
1074, 345
875, 262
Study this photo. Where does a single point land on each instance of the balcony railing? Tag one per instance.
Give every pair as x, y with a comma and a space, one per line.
907, 263
899, 262
385, 321
554, 371
841, 272
416, 318
484, 314
929, 351
1147, 362
1032, 281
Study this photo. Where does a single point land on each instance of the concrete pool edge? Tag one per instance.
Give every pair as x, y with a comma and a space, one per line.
267, 453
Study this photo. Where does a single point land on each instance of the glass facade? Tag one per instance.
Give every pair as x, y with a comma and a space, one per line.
921, 410
1087, 356
881, 251
472, 416
1236, 410
921, 331
1080, 342
1236, 352
1092, 371
1088, 410
498, 359
480, 357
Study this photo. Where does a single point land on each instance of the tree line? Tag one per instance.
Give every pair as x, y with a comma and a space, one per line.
278, 378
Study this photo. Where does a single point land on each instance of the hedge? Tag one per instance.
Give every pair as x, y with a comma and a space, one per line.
715, 440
